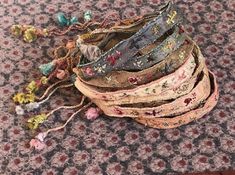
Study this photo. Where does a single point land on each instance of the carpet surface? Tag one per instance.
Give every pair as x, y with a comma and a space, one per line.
110, 145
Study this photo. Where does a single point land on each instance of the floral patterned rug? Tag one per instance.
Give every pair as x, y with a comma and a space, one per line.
110, 145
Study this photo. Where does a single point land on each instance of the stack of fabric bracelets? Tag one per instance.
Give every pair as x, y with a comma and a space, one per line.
145, 68
157, 76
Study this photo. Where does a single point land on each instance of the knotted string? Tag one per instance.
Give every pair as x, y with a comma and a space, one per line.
52, 92
39, 143
35, 121
51, 87
67, 107
70, 118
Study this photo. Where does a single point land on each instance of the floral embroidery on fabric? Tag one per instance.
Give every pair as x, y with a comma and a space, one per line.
133, 80
88, 71
118, 111
113, 58
100, 69
171, 17
155, 29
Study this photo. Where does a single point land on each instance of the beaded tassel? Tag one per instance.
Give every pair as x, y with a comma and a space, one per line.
30, 35
35, 121
24, 98
16, 30
63, 21
38, 142
47, 68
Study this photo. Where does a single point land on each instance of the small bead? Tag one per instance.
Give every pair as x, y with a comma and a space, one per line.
45, 32
73, 20
32, 87
19, 97
41, 136
62, 20
37, 144
44, 80
30, 35
61, 74
16, 30
92, 113
31, 106
34, 122
24, 98
29, 98
87, 16
19, 110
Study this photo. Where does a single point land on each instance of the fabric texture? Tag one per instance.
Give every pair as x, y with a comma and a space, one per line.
113, 145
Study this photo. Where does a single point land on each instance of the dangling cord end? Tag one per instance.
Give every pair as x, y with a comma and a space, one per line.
29, 96
35, 104
34, 122
38, 142
52, 92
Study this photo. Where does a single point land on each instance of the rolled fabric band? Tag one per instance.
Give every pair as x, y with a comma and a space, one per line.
171, 81
166, 92
124, 79
159, 97
177, 106
127, 49
169, 45
182, 119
